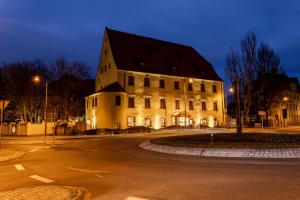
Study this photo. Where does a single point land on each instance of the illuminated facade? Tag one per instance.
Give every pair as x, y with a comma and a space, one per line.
148, 82
287, 109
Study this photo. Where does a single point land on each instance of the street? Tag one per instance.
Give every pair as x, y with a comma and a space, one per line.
114, 167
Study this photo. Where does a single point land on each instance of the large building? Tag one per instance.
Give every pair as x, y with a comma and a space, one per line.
148, 82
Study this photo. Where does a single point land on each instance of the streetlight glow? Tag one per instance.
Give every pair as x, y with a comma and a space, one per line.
36, 79
231, 90
190, 80
285, 98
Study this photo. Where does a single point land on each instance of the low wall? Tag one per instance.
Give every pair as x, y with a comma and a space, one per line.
27, 129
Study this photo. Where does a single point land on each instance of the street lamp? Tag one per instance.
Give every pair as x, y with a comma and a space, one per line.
3, 103
37, 79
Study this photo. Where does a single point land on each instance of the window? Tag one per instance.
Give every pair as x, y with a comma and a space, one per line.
191, 104
87, 104
146, 82
202, 87
130, 80
203, 105
190, 87
147, 122
161, 83
118, 100
105, 68
176, 85
215, 106
131, 121
96, 102
147, 103
177, 104
163, 122
214, 88
108, 65
162, 103
130, 102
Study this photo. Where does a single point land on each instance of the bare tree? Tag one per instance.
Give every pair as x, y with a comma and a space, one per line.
243, 67
62, 67
269, 72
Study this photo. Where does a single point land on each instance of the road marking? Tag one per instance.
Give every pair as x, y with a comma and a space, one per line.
134, 198
33, 150
19, 167
99, 176
89, 171
91, 150
42, 179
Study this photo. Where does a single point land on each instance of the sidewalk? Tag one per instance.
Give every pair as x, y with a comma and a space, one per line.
40, 139
10, 154
46, 193
224, 152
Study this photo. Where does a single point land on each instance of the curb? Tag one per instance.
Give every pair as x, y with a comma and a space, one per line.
46, 193
223, 152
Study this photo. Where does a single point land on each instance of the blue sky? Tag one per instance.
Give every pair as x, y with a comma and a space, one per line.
73, 29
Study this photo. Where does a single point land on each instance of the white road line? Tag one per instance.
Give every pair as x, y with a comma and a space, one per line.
90, 171
19, 167
42, 179
33, 150
134, 198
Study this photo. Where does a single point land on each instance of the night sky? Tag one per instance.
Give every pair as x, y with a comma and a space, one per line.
47, 29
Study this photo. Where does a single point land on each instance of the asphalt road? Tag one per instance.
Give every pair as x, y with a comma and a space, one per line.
115, 168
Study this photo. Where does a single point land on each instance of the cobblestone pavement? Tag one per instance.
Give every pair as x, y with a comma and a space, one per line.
9, 154
223, 152
52, 192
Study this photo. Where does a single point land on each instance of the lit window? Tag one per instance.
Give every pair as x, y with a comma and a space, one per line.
147, 122
147, 103
130, 102
118, 100
163, 122
162, 103
131, 121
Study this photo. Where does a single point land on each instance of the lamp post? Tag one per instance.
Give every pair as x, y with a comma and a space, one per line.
285, 99
237, 84
231, 91
37, 79
3, 103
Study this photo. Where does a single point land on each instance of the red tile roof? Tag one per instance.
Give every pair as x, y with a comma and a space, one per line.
138, 53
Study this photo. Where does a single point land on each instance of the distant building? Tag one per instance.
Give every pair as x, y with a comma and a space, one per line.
148, 82
287, 111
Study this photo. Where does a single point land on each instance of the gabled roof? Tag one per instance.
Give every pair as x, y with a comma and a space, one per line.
138, 53
114, 87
